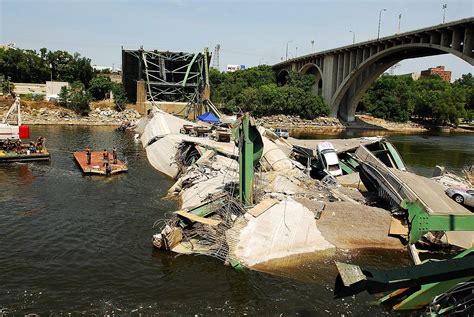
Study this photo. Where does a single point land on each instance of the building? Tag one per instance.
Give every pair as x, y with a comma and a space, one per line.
233, 68
414, 75
439, 70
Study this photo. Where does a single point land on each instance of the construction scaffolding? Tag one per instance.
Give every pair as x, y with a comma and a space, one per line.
168, 76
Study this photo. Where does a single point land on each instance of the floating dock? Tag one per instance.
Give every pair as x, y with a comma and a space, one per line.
97, 166
10, 156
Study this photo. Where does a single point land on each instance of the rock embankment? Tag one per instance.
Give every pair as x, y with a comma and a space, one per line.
289, 122
58, 115
295, 123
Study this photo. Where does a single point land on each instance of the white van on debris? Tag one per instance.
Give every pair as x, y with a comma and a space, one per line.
282, 133
328, 158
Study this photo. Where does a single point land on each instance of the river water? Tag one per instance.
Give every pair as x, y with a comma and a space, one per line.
82, 244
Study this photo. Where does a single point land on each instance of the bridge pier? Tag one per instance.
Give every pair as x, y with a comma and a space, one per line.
329, 81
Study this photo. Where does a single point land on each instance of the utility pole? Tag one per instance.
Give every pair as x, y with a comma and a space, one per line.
288, 42
312, 46
353, 37
380, 18
399, 19
444, 12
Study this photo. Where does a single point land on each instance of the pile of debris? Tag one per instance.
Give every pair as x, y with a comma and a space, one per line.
291, 213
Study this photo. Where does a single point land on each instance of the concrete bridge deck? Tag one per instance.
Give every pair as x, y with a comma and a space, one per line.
431, 193
400, 185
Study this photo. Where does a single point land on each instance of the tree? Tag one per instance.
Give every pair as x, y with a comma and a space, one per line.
390, 97
432, 99
120, 98
466, 83
35, 67
75, 98
100, 87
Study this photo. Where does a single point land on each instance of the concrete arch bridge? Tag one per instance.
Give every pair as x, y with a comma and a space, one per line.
344, 74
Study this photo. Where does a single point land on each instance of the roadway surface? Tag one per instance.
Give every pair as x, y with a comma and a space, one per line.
437, 202
341, 145
431, 193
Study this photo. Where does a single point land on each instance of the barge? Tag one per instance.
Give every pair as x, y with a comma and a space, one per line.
97, 166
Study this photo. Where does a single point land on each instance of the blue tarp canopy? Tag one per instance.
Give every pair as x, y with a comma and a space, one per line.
209, 117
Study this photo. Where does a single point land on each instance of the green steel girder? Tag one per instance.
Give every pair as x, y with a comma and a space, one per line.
250, 151
422, 222
419, 297
352, 279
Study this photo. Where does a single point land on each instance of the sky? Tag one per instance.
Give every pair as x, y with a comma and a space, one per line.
249, 32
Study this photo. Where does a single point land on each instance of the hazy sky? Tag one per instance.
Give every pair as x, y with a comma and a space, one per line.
249, 32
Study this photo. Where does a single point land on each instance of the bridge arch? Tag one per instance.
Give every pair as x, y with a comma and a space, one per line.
355, 84
282, 77
313, 69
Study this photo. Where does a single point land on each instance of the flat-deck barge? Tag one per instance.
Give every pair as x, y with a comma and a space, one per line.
97, 166
9, 157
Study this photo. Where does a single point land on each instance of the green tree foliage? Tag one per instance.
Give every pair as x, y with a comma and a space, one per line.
256, 90
120, 98
399, 98
390, 97
466, 83
75, 98
30, 66
101, 86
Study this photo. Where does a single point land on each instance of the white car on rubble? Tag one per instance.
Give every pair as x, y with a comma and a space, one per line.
328, 158
282, 133
461, 196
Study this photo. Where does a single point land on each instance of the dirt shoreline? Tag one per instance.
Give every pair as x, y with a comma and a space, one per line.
72, 123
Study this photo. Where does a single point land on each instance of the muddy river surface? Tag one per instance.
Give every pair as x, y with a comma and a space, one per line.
79, 244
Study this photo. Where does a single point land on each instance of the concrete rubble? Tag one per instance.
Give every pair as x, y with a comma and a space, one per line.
294, 214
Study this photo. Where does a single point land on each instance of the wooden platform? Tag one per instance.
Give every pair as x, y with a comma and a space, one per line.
97, 164
9, 157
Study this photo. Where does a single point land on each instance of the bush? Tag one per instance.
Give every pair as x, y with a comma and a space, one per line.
75, 98
27, 97
38, 97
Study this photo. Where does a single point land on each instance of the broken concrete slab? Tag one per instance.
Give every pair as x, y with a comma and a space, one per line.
287, 228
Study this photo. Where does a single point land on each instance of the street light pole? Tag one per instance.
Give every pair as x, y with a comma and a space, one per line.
399, 19
288, 42
444, 12
353, 37
380, 18
296, 53
312, 46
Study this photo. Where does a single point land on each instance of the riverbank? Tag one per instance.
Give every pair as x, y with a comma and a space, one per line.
328, 123
297, 126
47, 113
